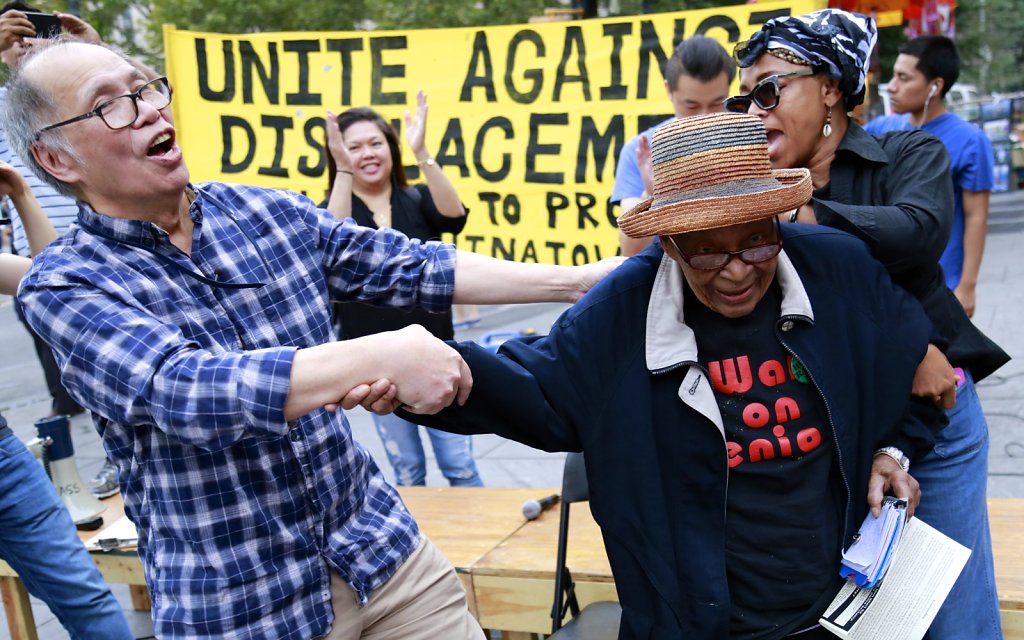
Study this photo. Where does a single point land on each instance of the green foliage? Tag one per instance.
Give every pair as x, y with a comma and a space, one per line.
113, 19
991, 54
414, 14
251, 16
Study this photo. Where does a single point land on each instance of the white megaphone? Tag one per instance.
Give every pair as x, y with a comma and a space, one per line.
53, 447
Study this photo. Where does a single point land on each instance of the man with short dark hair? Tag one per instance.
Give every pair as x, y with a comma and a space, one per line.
925, 70
697, 79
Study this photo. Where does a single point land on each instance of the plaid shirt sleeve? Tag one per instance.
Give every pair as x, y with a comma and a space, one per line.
141, 370
384, 266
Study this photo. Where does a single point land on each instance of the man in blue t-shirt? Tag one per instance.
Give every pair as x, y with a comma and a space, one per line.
924, 72
697, 79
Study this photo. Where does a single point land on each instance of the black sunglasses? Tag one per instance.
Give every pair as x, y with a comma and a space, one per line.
765, 93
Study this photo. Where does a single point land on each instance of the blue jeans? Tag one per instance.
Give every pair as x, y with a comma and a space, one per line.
953, 481
39, 541
404, 449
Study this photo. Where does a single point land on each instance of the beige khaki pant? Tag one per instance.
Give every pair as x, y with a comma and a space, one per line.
424, 600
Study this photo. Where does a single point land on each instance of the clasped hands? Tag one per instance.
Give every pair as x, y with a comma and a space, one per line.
420, 373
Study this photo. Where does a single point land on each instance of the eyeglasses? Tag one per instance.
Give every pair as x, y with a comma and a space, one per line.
713, 261
765, 93
123, 111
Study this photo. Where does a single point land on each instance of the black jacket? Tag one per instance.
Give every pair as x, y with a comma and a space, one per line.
656, 459
895, 193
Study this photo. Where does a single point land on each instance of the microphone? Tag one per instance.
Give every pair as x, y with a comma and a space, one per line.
533, 508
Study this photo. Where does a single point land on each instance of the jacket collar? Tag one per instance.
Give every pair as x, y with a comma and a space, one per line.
861, 143
671, 343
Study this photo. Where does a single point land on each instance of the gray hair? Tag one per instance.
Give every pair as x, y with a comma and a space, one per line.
27, 109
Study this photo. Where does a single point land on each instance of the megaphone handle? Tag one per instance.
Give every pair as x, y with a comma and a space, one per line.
45, 457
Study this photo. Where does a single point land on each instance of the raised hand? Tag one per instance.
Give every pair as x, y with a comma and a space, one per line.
78, 28
643, 163
415, 130
14, 27
12, 183
336, 144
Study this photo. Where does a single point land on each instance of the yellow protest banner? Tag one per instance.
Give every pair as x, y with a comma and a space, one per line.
527, 120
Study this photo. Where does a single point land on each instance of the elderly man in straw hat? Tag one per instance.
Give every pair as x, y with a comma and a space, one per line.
736, 390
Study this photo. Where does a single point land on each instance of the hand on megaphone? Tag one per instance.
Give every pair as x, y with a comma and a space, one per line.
533, 508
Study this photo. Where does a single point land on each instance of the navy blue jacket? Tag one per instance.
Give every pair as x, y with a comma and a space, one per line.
657, 465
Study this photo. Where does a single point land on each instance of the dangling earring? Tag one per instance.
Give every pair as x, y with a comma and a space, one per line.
827, 129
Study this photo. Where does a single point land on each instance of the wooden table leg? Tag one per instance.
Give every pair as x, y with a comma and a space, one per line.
20, 621
140, 597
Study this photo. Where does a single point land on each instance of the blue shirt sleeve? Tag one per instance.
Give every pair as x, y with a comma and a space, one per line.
628, 182
977, 174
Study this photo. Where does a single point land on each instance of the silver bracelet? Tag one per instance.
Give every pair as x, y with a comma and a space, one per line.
896, 454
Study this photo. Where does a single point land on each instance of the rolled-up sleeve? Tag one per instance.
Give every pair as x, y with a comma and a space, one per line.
134, 369
913, 226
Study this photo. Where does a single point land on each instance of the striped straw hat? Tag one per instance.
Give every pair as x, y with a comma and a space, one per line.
713, 171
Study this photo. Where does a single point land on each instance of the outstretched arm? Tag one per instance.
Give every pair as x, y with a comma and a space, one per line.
428, 375
483, 280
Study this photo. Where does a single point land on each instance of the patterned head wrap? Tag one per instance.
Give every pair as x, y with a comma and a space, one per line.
837, 41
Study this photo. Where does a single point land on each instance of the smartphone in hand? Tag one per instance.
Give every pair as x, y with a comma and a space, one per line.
47, 25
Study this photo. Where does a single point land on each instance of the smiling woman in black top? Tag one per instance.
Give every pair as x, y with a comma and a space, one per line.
368, 184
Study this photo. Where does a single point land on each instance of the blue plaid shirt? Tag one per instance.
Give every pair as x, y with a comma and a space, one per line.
188, 358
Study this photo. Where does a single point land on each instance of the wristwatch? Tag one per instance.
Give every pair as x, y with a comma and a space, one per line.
896, 454
429, 162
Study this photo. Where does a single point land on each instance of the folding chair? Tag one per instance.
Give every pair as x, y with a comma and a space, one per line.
596, 621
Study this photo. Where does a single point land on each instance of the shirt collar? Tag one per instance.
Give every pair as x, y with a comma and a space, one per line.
138, 232
670, 342
861, 143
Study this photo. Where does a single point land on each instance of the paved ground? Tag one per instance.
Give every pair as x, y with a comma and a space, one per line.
23, 397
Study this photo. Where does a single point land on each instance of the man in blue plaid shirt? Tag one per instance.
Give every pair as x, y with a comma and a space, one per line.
194, 320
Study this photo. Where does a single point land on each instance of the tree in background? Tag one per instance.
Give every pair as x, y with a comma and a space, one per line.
990, 36
990, 33
417, 14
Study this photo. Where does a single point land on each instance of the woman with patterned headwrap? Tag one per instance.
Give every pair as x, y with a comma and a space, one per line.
801, 75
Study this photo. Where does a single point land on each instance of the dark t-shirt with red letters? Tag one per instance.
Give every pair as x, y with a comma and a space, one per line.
782, 519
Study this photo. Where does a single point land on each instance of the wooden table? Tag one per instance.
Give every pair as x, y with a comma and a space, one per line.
464, 523
507, 564
515, 582
467, 523
1006, 519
